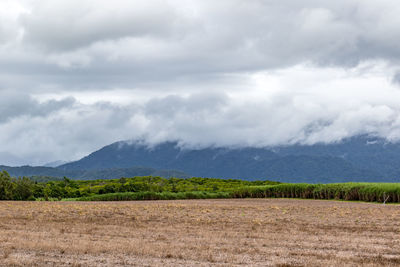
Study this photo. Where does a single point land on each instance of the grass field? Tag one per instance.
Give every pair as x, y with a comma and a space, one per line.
221, 232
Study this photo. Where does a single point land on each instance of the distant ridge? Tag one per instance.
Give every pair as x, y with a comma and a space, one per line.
357, 159
110, 173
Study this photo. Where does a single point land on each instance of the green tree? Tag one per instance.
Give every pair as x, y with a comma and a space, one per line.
23, 189
6, 186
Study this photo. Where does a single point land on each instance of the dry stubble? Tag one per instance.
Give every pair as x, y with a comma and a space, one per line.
277, 232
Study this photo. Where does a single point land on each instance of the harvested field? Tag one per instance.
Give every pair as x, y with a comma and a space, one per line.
256, 232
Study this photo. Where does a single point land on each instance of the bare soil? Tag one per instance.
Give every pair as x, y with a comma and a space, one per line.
255, 232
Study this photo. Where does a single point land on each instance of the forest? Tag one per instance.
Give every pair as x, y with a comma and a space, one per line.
157, 188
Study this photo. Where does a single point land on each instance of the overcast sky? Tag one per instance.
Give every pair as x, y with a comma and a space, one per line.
78, 75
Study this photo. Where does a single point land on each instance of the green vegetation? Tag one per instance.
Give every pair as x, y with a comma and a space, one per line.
156, 196
154, 188
157, 187
16, 188
371, 192
44, 179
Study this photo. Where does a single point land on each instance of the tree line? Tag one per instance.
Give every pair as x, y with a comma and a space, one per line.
149, 187
30, 189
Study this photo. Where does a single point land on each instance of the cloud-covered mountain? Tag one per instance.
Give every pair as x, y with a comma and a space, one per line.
356, 159
55, 163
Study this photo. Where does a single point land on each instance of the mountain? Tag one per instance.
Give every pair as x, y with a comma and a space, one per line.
32, 171
357, 159
112, 173
364, 152
55, 163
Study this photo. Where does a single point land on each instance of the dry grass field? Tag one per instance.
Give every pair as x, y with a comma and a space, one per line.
255, 232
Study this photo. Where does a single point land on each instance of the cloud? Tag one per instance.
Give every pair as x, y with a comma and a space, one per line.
69, 25
64, 132
14, 104
280, 114
154, 41
259, 34
77, 75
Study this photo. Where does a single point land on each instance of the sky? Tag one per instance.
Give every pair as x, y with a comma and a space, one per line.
79, 75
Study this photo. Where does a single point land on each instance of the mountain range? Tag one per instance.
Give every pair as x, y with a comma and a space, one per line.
361, 158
